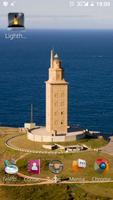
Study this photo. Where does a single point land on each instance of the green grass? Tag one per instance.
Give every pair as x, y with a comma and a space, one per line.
102, 191
7, 153
50, 192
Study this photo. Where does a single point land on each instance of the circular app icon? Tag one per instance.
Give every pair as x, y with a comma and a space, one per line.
56, 166
101, 165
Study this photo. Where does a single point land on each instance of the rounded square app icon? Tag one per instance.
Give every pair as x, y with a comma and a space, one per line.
16, 20
34, 166
78, 164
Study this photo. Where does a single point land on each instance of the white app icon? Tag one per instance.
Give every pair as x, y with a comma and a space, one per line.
81, 163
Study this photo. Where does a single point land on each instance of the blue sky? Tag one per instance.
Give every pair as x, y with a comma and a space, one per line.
60, 14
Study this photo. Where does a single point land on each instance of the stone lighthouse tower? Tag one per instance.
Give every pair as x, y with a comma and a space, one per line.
56, 98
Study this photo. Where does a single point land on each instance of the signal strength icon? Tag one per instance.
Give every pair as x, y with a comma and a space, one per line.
86, 4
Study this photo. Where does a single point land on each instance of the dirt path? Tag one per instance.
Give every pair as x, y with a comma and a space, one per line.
52, 182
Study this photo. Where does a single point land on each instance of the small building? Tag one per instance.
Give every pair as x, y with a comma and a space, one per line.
29, 126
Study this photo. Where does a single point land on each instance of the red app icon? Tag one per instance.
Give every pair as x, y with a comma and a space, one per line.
34, 166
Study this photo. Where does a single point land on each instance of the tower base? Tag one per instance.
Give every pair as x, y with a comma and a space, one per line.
40, 134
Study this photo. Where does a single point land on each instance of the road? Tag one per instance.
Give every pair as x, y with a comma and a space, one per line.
108, 148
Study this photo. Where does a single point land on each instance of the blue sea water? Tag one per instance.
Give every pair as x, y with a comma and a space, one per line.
87, 58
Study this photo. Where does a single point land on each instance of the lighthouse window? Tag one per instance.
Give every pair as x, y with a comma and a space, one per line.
56, 122
56, 95
56, 103
56, 113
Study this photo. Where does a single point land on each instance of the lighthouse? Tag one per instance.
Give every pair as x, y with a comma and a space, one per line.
56, 98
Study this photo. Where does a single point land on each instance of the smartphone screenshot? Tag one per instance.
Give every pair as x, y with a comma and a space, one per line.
56, 100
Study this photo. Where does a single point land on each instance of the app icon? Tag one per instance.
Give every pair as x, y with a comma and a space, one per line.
101, 165
56, 166
10, 167
78, 164
16, 20
34, 166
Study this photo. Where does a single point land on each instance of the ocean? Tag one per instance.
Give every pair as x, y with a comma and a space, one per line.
87, 59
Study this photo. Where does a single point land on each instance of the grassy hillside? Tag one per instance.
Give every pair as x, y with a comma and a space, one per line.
53, 192
103, 191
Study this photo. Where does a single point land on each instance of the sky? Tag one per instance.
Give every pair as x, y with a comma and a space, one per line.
60, 14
